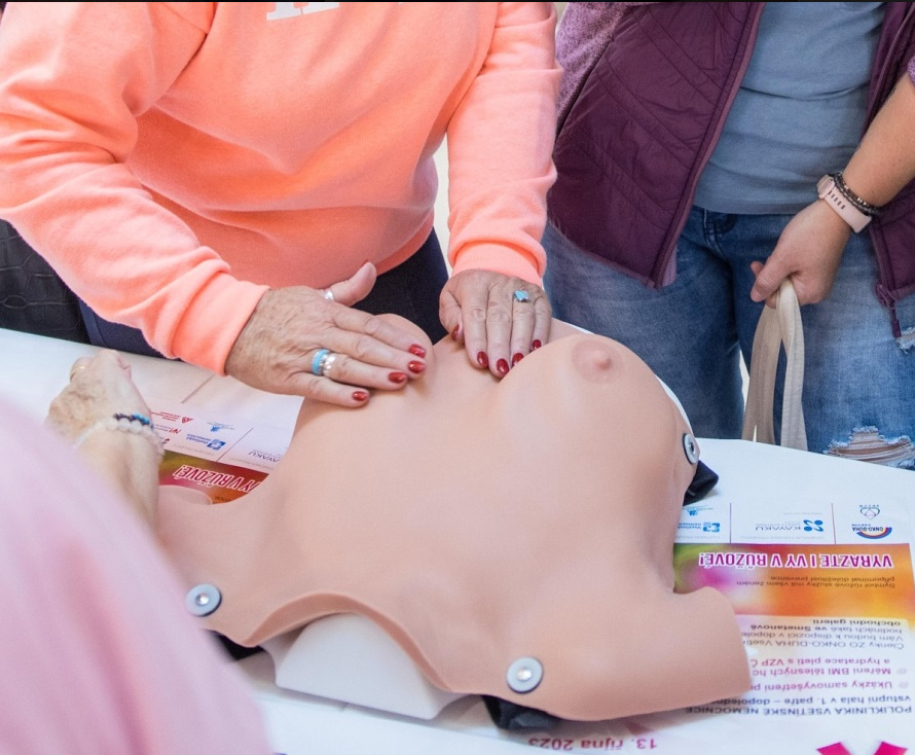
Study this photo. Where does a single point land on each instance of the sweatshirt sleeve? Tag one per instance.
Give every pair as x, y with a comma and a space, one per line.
500, 141
74, 77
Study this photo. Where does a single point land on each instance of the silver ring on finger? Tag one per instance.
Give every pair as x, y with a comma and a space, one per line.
329, 295
521, 296
327, 365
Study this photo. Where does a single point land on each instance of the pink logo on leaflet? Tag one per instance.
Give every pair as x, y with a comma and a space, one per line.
885, 748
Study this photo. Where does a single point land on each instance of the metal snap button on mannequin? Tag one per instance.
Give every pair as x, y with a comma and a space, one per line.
202, 600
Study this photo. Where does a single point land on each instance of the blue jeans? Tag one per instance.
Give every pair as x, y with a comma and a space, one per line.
410, 290
692, 333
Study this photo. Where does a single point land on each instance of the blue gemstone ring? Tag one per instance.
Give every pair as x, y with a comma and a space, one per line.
318, 360
522, 296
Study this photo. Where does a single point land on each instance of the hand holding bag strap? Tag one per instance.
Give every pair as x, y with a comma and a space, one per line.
776, 327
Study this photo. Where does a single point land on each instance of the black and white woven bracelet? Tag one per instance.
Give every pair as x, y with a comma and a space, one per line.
853, 199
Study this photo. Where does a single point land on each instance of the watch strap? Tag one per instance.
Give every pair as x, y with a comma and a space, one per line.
830, 193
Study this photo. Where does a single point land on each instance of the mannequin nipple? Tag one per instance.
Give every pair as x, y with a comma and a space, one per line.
594, 361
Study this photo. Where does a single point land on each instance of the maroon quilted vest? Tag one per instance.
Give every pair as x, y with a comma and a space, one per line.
647, 115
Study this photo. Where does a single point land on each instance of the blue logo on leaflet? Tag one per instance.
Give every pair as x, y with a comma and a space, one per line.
216, 444
703, 526
813, 525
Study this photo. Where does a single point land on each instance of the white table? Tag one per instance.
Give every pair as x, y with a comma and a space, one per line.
34, 369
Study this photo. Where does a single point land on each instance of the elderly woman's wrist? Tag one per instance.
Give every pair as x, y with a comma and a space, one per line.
126, 458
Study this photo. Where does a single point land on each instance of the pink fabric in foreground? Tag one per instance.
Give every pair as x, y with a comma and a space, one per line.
98, 653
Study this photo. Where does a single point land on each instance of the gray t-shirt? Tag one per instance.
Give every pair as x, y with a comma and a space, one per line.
800, 110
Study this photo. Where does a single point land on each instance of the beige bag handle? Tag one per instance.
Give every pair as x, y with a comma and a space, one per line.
777, 327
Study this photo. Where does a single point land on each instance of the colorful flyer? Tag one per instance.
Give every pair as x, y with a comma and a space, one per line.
220, 458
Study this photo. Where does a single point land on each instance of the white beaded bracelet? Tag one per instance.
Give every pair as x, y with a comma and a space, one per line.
135, 424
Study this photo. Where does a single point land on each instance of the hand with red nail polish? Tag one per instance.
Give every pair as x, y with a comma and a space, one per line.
498, 316
312, 343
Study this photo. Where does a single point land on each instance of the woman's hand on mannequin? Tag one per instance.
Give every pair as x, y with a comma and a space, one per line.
480, 307
276, 351
99, 388
809, 251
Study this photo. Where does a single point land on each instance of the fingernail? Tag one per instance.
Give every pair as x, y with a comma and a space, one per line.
517, 358
417, 350
536, 344
397, 377
416, 367
502, 367
482, 359
456, 333
360, 396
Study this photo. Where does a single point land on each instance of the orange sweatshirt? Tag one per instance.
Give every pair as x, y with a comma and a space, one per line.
173, 160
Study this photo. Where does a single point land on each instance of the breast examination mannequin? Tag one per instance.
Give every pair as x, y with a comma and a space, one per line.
483, 523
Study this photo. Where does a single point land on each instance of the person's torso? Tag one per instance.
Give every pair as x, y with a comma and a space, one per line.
800, 110
308, 129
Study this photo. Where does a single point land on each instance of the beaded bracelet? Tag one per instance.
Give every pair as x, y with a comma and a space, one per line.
859, 204
135, 424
